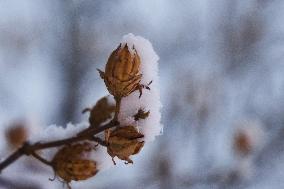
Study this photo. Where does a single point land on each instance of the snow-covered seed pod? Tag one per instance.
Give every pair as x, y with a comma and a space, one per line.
72, 162
122, 72
124, 142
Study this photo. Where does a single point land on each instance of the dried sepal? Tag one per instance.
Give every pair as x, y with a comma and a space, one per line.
124, 142
101, 112
141, 114
72, 162
122, 72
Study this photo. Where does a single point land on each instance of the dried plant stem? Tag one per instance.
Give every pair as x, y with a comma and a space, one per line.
13, 157
30, 149
41, 159
117, 108
86, 134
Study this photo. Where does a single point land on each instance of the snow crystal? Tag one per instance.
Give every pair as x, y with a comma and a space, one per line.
150, 99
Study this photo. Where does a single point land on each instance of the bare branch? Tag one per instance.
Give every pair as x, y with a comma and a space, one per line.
30, 149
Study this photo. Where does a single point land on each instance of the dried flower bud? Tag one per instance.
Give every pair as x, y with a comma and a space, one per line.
141, 114
16, 135
123, 142
242, 144
122, 73
101, 112
72, 162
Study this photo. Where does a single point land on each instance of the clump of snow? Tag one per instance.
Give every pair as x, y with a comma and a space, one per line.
54, 132
150, 99
102, 158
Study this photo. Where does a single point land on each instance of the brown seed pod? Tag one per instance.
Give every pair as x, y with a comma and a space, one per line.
16, 135
123, 142
72, 162
122, 73
101, 112
243, 143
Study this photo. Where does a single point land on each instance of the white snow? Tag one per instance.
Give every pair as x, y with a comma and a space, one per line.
150, 99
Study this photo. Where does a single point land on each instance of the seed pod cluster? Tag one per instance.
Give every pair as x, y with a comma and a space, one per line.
122, 72
124, 142
72, 162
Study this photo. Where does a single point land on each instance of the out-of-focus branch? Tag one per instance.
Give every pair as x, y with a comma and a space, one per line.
12, 184
73, 62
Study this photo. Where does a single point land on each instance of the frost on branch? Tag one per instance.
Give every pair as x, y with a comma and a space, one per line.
118, 125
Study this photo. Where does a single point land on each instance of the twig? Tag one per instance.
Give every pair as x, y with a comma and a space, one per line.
117, 108
99, 140
41, 159
16, 155
30, 149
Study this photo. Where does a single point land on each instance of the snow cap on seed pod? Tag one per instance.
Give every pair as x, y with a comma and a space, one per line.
143, 112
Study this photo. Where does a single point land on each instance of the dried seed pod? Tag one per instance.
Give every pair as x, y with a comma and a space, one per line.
122, 73
243, 143
16, 135
101, 112
123, 142
72, 162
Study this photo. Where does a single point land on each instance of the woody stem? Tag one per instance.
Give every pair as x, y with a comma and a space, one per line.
41, 159
117, 108
30, 149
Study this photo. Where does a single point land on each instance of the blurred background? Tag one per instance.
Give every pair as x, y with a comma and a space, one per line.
221, 75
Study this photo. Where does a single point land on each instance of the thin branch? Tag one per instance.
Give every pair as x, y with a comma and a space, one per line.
41, 159
30, 149
16, 155
117, 108
95, 130
81, 136
99, 141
